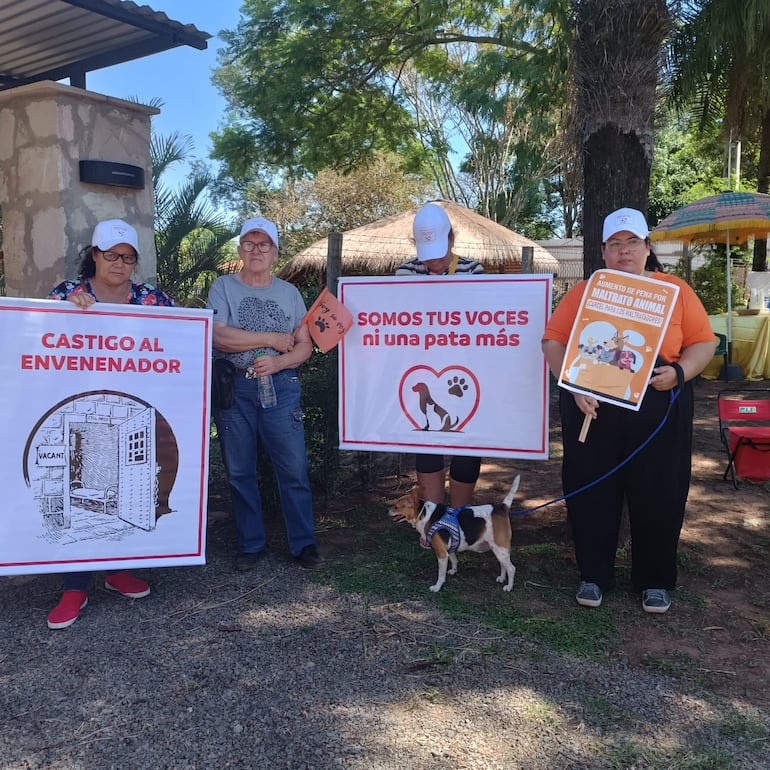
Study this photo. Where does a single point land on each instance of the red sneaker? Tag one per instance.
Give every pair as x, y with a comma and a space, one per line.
66, 612
127, 585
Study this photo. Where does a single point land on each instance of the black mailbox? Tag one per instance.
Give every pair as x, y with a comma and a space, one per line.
105, 172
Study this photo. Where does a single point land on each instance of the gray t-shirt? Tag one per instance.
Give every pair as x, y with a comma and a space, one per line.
274, 308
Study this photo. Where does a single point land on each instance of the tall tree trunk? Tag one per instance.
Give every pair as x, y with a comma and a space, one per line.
616, 51
763, 186
616, 170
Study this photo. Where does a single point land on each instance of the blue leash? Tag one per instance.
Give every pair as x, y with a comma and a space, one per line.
674, 395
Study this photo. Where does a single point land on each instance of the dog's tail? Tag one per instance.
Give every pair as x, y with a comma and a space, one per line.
448, 424
508, 501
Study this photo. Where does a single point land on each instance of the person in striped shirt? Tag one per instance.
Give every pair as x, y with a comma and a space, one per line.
434, 239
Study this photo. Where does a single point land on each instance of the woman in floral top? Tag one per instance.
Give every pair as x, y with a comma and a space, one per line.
106, 269
104, 276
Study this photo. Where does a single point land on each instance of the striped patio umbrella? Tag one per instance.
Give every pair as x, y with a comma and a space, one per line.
729, 216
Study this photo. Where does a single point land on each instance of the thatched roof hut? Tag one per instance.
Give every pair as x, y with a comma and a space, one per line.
379, 247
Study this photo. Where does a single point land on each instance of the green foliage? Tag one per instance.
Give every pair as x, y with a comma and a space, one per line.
719, 63
321, 408
719, 71
710, 281
314, 87
191, 238
686, 166
310, 208
311, 81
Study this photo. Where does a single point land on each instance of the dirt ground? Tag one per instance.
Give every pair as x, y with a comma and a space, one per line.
723, 622
719, 624
718, 628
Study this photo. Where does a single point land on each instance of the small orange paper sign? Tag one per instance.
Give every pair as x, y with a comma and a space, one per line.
328, 320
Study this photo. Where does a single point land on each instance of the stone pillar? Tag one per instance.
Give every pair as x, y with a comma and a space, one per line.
48, 213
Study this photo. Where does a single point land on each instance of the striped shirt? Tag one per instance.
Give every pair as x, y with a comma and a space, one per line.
465, 266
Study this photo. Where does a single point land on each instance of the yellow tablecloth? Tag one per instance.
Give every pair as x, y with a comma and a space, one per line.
751, 345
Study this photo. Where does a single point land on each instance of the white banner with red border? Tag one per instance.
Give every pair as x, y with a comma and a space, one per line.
106, 433
447, 364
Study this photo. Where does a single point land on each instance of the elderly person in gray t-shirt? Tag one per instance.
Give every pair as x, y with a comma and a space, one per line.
258, 328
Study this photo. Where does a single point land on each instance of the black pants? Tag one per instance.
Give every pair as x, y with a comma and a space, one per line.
655, 483
463, 469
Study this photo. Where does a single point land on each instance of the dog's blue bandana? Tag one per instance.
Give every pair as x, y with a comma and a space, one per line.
448, 523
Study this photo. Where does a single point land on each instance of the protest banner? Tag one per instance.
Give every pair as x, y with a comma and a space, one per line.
447, 365
616, 336
106, 433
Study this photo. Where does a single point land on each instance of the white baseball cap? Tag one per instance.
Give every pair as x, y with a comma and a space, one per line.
111, 232
431, 232
625, 219
265, 225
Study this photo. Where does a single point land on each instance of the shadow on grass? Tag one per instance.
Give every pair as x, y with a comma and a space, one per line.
386, 563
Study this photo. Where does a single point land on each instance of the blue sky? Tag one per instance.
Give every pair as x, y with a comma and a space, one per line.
181, 77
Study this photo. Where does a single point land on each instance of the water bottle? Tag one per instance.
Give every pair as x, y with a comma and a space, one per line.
266, 390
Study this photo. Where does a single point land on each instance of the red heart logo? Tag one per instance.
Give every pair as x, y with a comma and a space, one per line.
442, 401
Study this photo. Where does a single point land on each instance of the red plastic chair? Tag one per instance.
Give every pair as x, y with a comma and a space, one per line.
744, 428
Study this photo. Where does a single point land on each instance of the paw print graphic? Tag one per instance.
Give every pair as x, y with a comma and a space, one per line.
321, 324
457, 386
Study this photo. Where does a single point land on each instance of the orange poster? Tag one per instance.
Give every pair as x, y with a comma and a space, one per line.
616, 336
328, 320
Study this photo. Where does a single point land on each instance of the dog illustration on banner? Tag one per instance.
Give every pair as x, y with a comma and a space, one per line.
608, 358
444, 400
101, 465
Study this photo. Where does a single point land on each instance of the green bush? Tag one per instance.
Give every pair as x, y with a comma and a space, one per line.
320, 406
710, 281
319, 378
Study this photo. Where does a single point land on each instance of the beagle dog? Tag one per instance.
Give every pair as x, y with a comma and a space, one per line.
472, 528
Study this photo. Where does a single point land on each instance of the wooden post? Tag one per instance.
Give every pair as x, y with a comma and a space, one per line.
333, 272
333, 262
527, 259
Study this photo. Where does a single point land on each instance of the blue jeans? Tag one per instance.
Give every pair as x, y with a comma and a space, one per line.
282, 434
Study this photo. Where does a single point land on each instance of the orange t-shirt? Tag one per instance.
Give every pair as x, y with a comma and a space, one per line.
689, 322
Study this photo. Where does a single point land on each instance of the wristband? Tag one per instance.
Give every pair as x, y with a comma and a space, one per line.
677, 367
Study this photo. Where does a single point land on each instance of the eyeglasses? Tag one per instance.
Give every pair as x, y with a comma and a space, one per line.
262, 246
113, 256
632, 243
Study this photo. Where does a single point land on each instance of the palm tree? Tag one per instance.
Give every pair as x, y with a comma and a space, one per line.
616, 50
191, 236
720, 62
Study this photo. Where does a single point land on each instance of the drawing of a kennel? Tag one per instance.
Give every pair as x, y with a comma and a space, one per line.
99, 458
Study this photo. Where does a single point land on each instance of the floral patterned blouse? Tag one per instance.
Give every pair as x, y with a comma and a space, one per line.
140, 293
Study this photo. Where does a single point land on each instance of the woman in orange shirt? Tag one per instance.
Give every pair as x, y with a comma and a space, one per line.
656, 481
